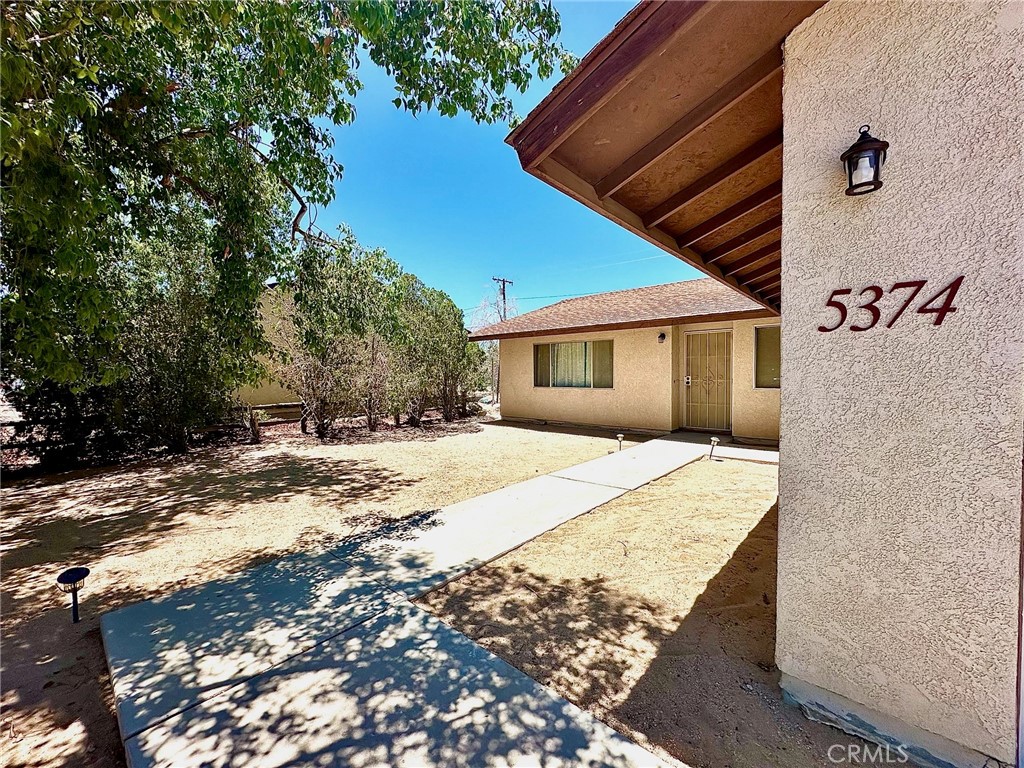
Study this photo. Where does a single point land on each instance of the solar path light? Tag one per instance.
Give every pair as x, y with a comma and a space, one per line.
71, 581
619, 438
714, 442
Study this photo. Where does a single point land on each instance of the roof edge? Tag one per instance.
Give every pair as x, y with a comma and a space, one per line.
747, 314
603, 46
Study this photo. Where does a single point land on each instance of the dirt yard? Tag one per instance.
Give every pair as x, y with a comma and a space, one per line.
158, 526
655, 612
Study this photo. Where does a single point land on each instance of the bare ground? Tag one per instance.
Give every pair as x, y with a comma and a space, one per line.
655, 612
157, 526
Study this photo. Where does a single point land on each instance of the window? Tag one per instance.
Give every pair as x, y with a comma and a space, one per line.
767, 357
573, 364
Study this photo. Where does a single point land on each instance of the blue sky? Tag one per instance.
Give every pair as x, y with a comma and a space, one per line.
449, 201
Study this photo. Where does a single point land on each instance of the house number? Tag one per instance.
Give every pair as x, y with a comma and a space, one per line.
940, 305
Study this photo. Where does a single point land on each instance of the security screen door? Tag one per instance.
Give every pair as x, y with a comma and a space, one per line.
707, 381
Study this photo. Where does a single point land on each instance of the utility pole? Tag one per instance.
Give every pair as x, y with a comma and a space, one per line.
503, 314
502, 305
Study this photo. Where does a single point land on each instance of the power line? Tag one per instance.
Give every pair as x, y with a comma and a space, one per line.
556, 296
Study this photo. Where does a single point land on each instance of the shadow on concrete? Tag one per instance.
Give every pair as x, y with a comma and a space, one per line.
400, 690
710, 697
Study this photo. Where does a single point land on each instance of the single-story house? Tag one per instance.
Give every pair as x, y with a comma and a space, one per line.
693, 355
748, 139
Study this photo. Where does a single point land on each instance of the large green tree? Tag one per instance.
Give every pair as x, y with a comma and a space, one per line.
119, 118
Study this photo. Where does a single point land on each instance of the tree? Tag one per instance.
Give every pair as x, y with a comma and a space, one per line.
118, 116
332, 319
493, 308
171, 370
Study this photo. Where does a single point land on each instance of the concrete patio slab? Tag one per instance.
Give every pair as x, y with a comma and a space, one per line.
638, 465
422, 552
399, 691
166, 654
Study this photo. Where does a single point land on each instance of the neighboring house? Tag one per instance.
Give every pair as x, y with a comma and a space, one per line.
899, 606
692, 355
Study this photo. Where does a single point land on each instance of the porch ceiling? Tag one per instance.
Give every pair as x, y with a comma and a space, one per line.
672, 127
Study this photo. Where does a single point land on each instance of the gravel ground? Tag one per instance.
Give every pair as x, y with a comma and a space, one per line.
655, 612
160, 525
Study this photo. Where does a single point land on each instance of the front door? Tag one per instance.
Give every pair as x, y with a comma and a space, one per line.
707, 380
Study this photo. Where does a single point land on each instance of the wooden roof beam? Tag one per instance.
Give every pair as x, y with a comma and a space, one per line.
748, 204
768, 269
697, 118
709, 181
764, 285
603, 73
752, 258
732, 245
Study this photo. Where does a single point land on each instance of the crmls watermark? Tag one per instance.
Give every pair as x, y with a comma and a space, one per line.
867, 754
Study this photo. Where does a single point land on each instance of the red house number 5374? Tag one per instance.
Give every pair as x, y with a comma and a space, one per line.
939, 305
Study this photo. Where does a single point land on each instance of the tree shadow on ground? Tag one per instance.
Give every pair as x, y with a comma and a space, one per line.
399, 690
127, 510
710, 694
194, 637
553, 630
57, 690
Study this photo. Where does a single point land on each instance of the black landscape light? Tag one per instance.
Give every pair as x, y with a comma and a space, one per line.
71, 581
864, 160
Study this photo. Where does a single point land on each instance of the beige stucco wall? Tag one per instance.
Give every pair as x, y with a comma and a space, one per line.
900, 477
755, 412
267, 393
647, 392
641, 396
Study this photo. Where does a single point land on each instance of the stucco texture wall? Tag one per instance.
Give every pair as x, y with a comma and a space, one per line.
641, 396
755, 412
267, 393
900, 476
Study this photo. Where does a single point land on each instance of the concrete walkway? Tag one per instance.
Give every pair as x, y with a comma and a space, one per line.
319, 659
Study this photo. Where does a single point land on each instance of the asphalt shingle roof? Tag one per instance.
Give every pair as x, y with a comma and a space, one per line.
689, 301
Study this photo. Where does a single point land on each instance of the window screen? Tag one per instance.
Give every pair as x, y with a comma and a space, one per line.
573, 364
767, 356
602, 364
542, 365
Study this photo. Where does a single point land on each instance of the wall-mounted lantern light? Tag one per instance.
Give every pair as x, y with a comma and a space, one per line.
864, 160
661, 338
71, 581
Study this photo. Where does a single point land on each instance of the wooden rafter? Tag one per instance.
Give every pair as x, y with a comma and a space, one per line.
599, 78
697, 118
752, 258
733, 244
764, 285
768, 269
709, 181
748, 204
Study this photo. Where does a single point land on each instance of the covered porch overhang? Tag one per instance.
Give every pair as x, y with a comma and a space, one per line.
672, 127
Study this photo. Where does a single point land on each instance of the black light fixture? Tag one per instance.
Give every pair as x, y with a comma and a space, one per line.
71, 581
661, 338
864, 160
